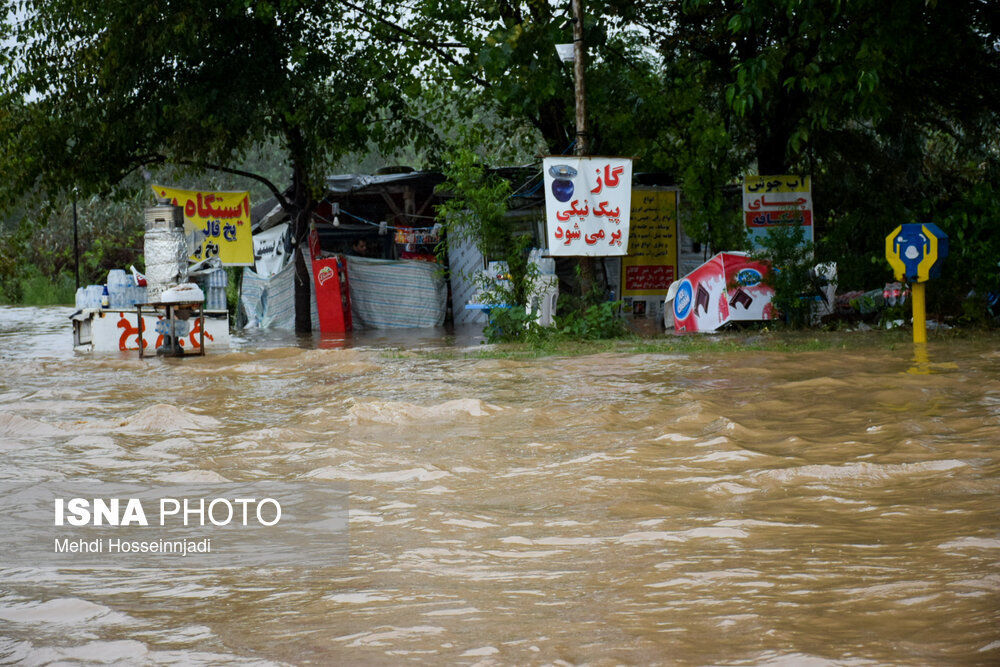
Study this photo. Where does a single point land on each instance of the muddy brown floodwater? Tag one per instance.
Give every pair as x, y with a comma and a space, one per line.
725, 508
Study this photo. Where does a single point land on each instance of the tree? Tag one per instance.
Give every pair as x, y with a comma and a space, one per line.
94, 91
859, 93
499, 56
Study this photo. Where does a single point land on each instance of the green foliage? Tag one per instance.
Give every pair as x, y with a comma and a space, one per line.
594, 321
790, 258
891, 129
97, 89
847, 92
969, 218
513, 324
590, 316
31, 288
36, 258
476, 209
477, 206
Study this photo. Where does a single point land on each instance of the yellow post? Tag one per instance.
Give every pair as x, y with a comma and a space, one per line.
922, 360
919, 313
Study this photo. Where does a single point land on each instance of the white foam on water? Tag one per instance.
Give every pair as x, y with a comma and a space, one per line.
526, 554
458, 611
568, 541
771, 659
95, 441
971, 543
587, 458
731, 488
388, 636
275, 434
193, 477
398, 505
357, 598
859, 473
480, 652
990, 582
436, 490
363, 516
63, 611
124, 651
736, 523
720, 457
710, 532
466, 523
166, 418
408, 475
392, 412
22, 427
674, 437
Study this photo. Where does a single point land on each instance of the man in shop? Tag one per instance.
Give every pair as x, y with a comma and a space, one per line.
360, 247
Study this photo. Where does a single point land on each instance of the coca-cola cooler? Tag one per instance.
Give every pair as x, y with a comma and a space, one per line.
333, 298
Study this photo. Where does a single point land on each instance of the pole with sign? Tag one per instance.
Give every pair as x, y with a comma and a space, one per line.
587, 205
916, 253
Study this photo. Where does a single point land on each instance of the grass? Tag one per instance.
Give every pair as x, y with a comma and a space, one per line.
37, 290
758, 340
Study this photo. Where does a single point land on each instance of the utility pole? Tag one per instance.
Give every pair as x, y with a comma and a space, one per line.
76, 243
582, 144
579, 67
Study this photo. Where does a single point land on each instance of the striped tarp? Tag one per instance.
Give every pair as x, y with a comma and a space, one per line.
388, 294
270, 302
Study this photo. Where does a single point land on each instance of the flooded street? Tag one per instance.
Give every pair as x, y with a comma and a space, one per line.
720, 508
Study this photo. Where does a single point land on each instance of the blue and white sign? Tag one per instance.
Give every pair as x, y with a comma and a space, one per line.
683, 300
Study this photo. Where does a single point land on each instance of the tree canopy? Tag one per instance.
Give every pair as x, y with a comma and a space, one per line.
96, 90
892, 107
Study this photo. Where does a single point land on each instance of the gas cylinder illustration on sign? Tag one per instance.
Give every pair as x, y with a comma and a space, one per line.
562, 186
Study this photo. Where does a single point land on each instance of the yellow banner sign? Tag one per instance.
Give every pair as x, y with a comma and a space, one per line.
223, 218
651, 264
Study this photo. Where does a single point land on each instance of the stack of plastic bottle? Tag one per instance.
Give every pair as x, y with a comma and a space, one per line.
89, 296
122, 293
215, 295
119, 294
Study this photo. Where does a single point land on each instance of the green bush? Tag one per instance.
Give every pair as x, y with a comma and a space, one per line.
37, 259
589, 317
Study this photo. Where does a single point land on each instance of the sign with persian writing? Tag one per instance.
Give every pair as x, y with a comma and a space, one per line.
770, 201
222, 217
587, 205
652, 260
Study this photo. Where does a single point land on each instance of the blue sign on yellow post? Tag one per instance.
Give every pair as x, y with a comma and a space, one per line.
916, 253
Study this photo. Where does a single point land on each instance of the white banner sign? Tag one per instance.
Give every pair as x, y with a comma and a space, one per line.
587, 205
272, 250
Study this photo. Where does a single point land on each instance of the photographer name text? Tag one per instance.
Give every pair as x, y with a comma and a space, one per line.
114, 545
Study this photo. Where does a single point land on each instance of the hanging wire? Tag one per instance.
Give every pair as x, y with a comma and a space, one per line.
364, 220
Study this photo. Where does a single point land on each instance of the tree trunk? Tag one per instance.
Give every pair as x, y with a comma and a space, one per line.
582, 147
303, 205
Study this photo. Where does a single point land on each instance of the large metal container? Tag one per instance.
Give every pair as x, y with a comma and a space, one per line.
164, 217
165, 248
